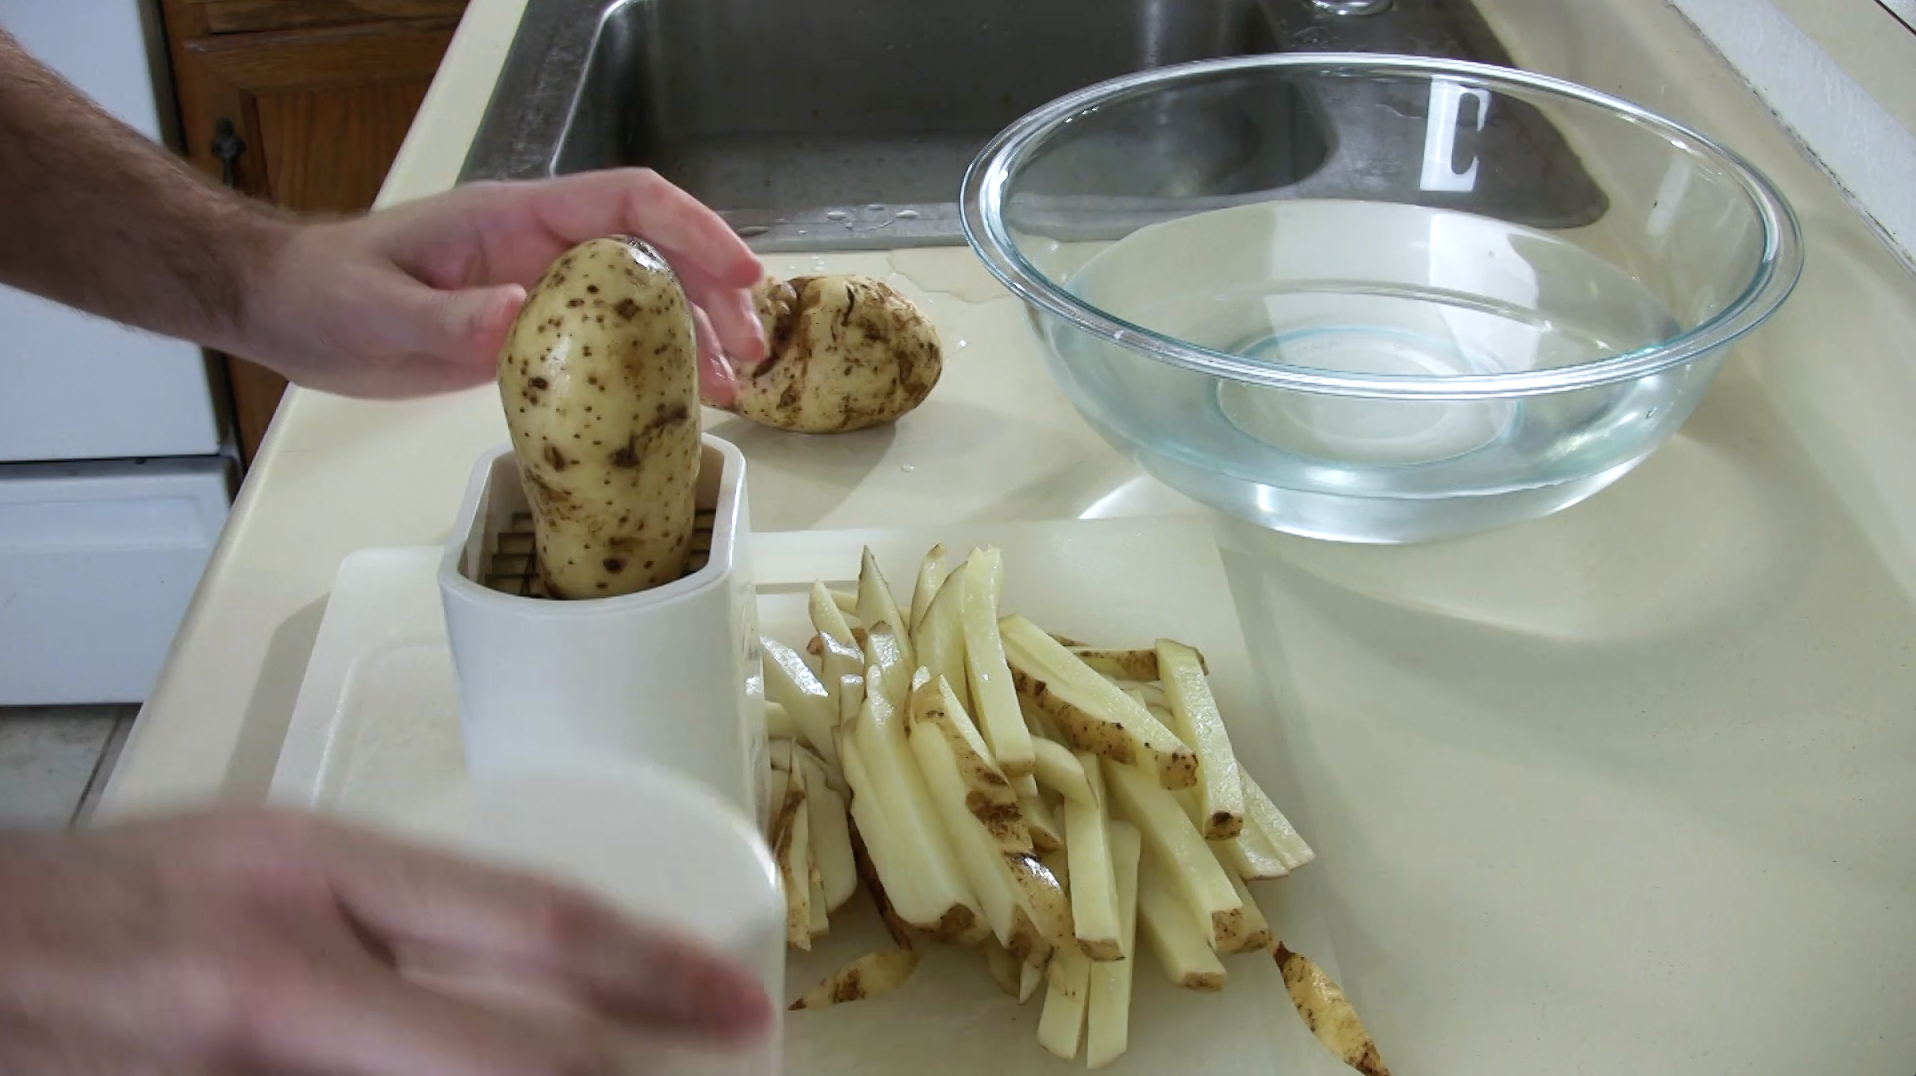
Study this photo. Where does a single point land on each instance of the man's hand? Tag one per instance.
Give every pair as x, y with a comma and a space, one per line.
243, 943
418, 298
412, 300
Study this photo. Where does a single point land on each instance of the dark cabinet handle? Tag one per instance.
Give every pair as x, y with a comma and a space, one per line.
228, 146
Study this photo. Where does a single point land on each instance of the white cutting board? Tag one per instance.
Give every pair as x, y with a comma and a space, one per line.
376, 724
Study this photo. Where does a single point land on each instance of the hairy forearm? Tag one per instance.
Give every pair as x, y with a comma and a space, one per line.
95, 216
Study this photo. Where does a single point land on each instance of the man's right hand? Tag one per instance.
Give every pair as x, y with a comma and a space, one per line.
258, 942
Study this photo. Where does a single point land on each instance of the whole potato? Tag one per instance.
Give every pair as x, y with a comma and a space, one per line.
599, 376
847, 352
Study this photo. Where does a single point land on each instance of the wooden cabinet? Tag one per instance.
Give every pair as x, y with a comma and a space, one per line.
303, 103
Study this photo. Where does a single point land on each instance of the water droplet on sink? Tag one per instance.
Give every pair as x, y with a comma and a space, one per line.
836, 214
964, 343
801, 231
876, 206
906, 214
751, 230
907, 468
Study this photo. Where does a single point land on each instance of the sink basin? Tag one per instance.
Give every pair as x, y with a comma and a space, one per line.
847, 124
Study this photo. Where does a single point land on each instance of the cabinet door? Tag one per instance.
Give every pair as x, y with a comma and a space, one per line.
309, 119
238, 16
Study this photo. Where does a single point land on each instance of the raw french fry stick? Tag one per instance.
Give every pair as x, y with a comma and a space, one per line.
974, 848
1002, 966
1152, 696
1108, 1016
877, 605
847, 603
867, 977
804, 764
1042, 899
792, 856
885, 652
1252, 856
1168, 929
1140, 665
831, 836
803, 754
992, 695
1126, 666
901, 828
851, 698
1059, 770
1258, 935
899, 930
827, 619
1061, 1025
938, 642
776, 789
836, 660
1091, 712
1046, 835
793, 685
1329, 1014
821, 923
1029, 978
997, 575
984, 792
1220, 793
1280, 837
931, 575
1171, 838
1094, 887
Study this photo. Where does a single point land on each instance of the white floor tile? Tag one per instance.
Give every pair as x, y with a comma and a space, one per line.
47, 759
109, 757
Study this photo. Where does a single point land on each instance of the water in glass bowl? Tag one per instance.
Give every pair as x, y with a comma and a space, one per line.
1381, 288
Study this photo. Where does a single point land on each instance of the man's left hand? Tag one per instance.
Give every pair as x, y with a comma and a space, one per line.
417, 299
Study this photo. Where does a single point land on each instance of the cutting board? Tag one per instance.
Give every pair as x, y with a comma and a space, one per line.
376, 723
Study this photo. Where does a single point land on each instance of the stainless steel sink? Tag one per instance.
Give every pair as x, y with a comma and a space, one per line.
843, 124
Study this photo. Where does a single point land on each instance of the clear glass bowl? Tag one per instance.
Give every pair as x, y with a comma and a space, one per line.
1377, 298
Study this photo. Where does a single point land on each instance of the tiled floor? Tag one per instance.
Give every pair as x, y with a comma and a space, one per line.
54, 761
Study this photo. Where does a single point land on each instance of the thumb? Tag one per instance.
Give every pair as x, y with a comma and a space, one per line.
464, 327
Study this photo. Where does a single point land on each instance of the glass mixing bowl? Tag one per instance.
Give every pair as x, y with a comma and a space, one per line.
1377, 298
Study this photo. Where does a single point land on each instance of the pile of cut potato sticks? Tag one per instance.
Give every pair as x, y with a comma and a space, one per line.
1051, 803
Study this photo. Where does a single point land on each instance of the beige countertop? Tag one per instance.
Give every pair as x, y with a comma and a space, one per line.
1672, 722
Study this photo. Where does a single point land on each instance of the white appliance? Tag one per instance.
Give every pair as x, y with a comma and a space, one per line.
115, 472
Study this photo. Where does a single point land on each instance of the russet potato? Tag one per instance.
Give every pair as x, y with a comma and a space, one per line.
847, 352
599, 377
